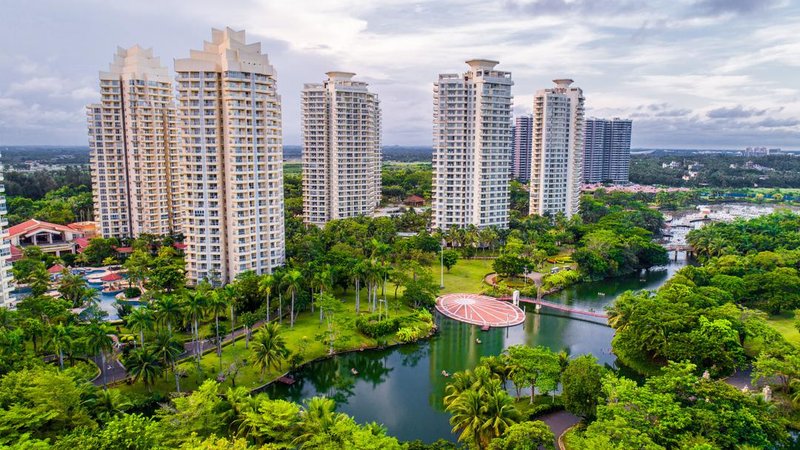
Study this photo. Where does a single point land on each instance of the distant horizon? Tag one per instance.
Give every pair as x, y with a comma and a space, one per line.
690, 74
633, 149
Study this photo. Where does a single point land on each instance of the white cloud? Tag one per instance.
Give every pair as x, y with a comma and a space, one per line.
693, 56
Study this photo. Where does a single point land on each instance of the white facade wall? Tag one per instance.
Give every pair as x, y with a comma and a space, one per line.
557, 151
341, 149
472, 147
6, 278
134, 152
229, 116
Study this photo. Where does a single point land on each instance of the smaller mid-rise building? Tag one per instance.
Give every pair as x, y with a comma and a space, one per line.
607, 150
522, 147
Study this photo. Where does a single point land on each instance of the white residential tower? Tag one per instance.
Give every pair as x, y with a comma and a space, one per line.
6, 278
472, 147
133, 148
230, 124
557, 151
341, 149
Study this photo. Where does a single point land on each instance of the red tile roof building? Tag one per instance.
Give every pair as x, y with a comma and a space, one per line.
49, 237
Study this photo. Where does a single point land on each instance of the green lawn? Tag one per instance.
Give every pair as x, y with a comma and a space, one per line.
784, 324
305, 338
466, 276
291, 168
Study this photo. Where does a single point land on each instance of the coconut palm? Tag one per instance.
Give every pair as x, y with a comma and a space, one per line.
460, 383
169, 310
318, 416
167, 348
217, 303
140, 320
97, 341
292, 281
498, 415
195, 304
265, 285
108, 403
143, 364
269, 348
467, 417
60, 339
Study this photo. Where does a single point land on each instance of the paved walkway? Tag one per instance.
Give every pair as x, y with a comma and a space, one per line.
559, 422
116, 372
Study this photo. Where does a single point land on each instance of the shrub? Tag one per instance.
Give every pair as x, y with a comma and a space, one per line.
561, 279
413, 334
132, 292
425, 316
372, 327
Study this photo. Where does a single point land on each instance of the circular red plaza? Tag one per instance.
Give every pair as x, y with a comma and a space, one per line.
479, 310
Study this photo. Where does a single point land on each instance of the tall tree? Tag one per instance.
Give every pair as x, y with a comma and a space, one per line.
97, 341
141, 320
292, 281
269, 348
143, 364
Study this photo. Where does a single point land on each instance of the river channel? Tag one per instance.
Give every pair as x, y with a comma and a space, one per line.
403, 387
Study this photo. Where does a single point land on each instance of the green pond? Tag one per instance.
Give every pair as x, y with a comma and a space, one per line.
403, 387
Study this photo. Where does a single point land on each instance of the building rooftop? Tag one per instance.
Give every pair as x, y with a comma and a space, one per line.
34, 225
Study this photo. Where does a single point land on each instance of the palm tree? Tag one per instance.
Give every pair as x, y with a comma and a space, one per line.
230, 294
169, 310
141, 320
460, 382
196, 304
167, 348
292, 281
143, 364
218, 303
499, 414
269, 348
467, 417
320, 280
96, 340
265, 285
317, 417
60, 339
109, 403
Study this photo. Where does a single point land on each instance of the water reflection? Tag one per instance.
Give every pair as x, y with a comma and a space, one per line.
403, 387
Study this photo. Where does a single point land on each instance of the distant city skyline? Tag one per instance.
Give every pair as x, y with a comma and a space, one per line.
691, 74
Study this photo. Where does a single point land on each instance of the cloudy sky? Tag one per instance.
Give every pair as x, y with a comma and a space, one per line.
690, 73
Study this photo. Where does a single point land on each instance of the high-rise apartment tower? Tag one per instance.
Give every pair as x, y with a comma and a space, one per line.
557, 154
341, 149
229, 116
472, 147
133, 148
607, 150
521, 162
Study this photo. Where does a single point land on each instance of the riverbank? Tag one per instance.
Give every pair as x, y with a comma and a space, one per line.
306, 340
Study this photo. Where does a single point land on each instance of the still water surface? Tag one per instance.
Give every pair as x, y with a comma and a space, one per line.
403, 387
